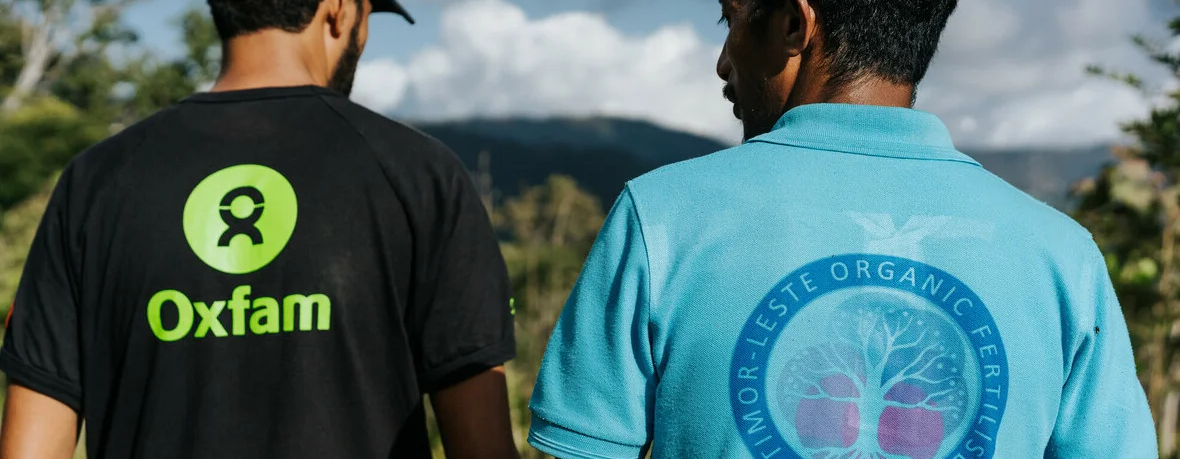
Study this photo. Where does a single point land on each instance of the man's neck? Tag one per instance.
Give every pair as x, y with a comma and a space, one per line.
270, 58
874, 91
862, 91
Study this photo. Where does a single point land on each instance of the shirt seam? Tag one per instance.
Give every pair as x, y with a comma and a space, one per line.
899, 150
120, 172
1096, 266
648, 304
67, 178
348, 121
372, 154
430, 376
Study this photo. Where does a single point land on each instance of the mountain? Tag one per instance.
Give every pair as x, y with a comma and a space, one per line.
1045, 173
603, 153
641, 139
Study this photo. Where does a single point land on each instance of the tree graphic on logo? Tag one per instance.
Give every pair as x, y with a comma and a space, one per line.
889, 384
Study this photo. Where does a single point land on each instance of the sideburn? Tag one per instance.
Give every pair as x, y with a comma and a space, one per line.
345, 72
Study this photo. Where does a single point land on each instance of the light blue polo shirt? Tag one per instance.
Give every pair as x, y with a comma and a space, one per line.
847, 285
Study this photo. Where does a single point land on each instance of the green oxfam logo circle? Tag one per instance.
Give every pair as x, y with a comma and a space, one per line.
240, 218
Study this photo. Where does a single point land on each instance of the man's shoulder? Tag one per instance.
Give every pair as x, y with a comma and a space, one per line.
105, 158
1055, 230
706, 175
689, 169
681, 183
388, 137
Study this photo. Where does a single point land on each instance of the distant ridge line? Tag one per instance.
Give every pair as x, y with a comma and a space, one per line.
603, 153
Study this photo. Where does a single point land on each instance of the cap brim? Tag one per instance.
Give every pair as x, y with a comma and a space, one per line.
391, 6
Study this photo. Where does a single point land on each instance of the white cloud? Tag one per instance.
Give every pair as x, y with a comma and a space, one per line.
1027, 85
1089, 21
1065, 117
990, 24
380, 85
1009, 72
493, 60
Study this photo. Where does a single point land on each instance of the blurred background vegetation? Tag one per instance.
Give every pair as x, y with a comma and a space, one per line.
71, 74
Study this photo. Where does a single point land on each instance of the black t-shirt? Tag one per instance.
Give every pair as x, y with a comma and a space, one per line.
269, 273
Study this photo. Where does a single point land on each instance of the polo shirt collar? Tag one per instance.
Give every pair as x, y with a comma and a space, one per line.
866, 130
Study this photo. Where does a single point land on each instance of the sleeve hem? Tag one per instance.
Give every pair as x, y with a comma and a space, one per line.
457, 370
41, 381
560, 442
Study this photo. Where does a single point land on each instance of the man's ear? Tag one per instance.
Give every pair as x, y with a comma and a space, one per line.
796, 24
335, 16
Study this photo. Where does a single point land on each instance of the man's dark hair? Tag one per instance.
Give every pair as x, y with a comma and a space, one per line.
893, 39
240, 17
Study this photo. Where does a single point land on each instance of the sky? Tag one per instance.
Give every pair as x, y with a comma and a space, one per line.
1009, 73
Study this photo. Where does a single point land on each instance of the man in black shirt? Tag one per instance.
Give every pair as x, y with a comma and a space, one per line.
266, 270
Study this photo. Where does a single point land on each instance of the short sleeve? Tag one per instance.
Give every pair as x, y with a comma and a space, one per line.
594, 395
1104, 412
41, 342
462, 323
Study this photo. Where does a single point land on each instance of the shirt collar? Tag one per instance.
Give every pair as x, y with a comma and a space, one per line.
866, 130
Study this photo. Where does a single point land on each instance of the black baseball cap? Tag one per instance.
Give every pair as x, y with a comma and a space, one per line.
391, 6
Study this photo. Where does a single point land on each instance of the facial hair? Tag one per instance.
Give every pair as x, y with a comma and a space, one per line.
345, 72
757, 117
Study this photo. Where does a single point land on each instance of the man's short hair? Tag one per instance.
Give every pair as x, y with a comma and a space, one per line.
240, 17
893, 39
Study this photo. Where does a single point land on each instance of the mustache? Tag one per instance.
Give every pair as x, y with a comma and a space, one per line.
729, 93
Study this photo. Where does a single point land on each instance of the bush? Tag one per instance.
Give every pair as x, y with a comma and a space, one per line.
38, 140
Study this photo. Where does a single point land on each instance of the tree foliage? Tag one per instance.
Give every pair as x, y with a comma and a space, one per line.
549, 230
1133, 210
16, 235
36, 141
53, 33
84, 95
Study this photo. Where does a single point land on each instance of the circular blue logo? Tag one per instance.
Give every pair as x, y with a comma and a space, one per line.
869, 356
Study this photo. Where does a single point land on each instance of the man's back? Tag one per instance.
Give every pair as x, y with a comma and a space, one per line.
847, 285
262, 273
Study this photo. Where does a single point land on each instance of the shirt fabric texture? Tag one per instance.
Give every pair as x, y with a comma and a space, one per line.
847, 285
267, 273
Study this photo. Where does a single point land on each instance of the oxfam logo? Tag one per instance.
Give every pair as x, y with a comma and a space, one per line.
240, 218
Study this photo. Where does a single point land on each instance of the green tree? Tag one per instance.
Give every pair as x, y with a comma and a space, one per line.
55, 32
1133, 210
36, 140
551, 229
16, 235
11, 56
86, 96
160, 84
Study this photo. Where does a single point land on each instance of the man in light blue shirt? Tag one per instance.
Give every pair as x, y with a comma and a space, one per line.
845, 284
